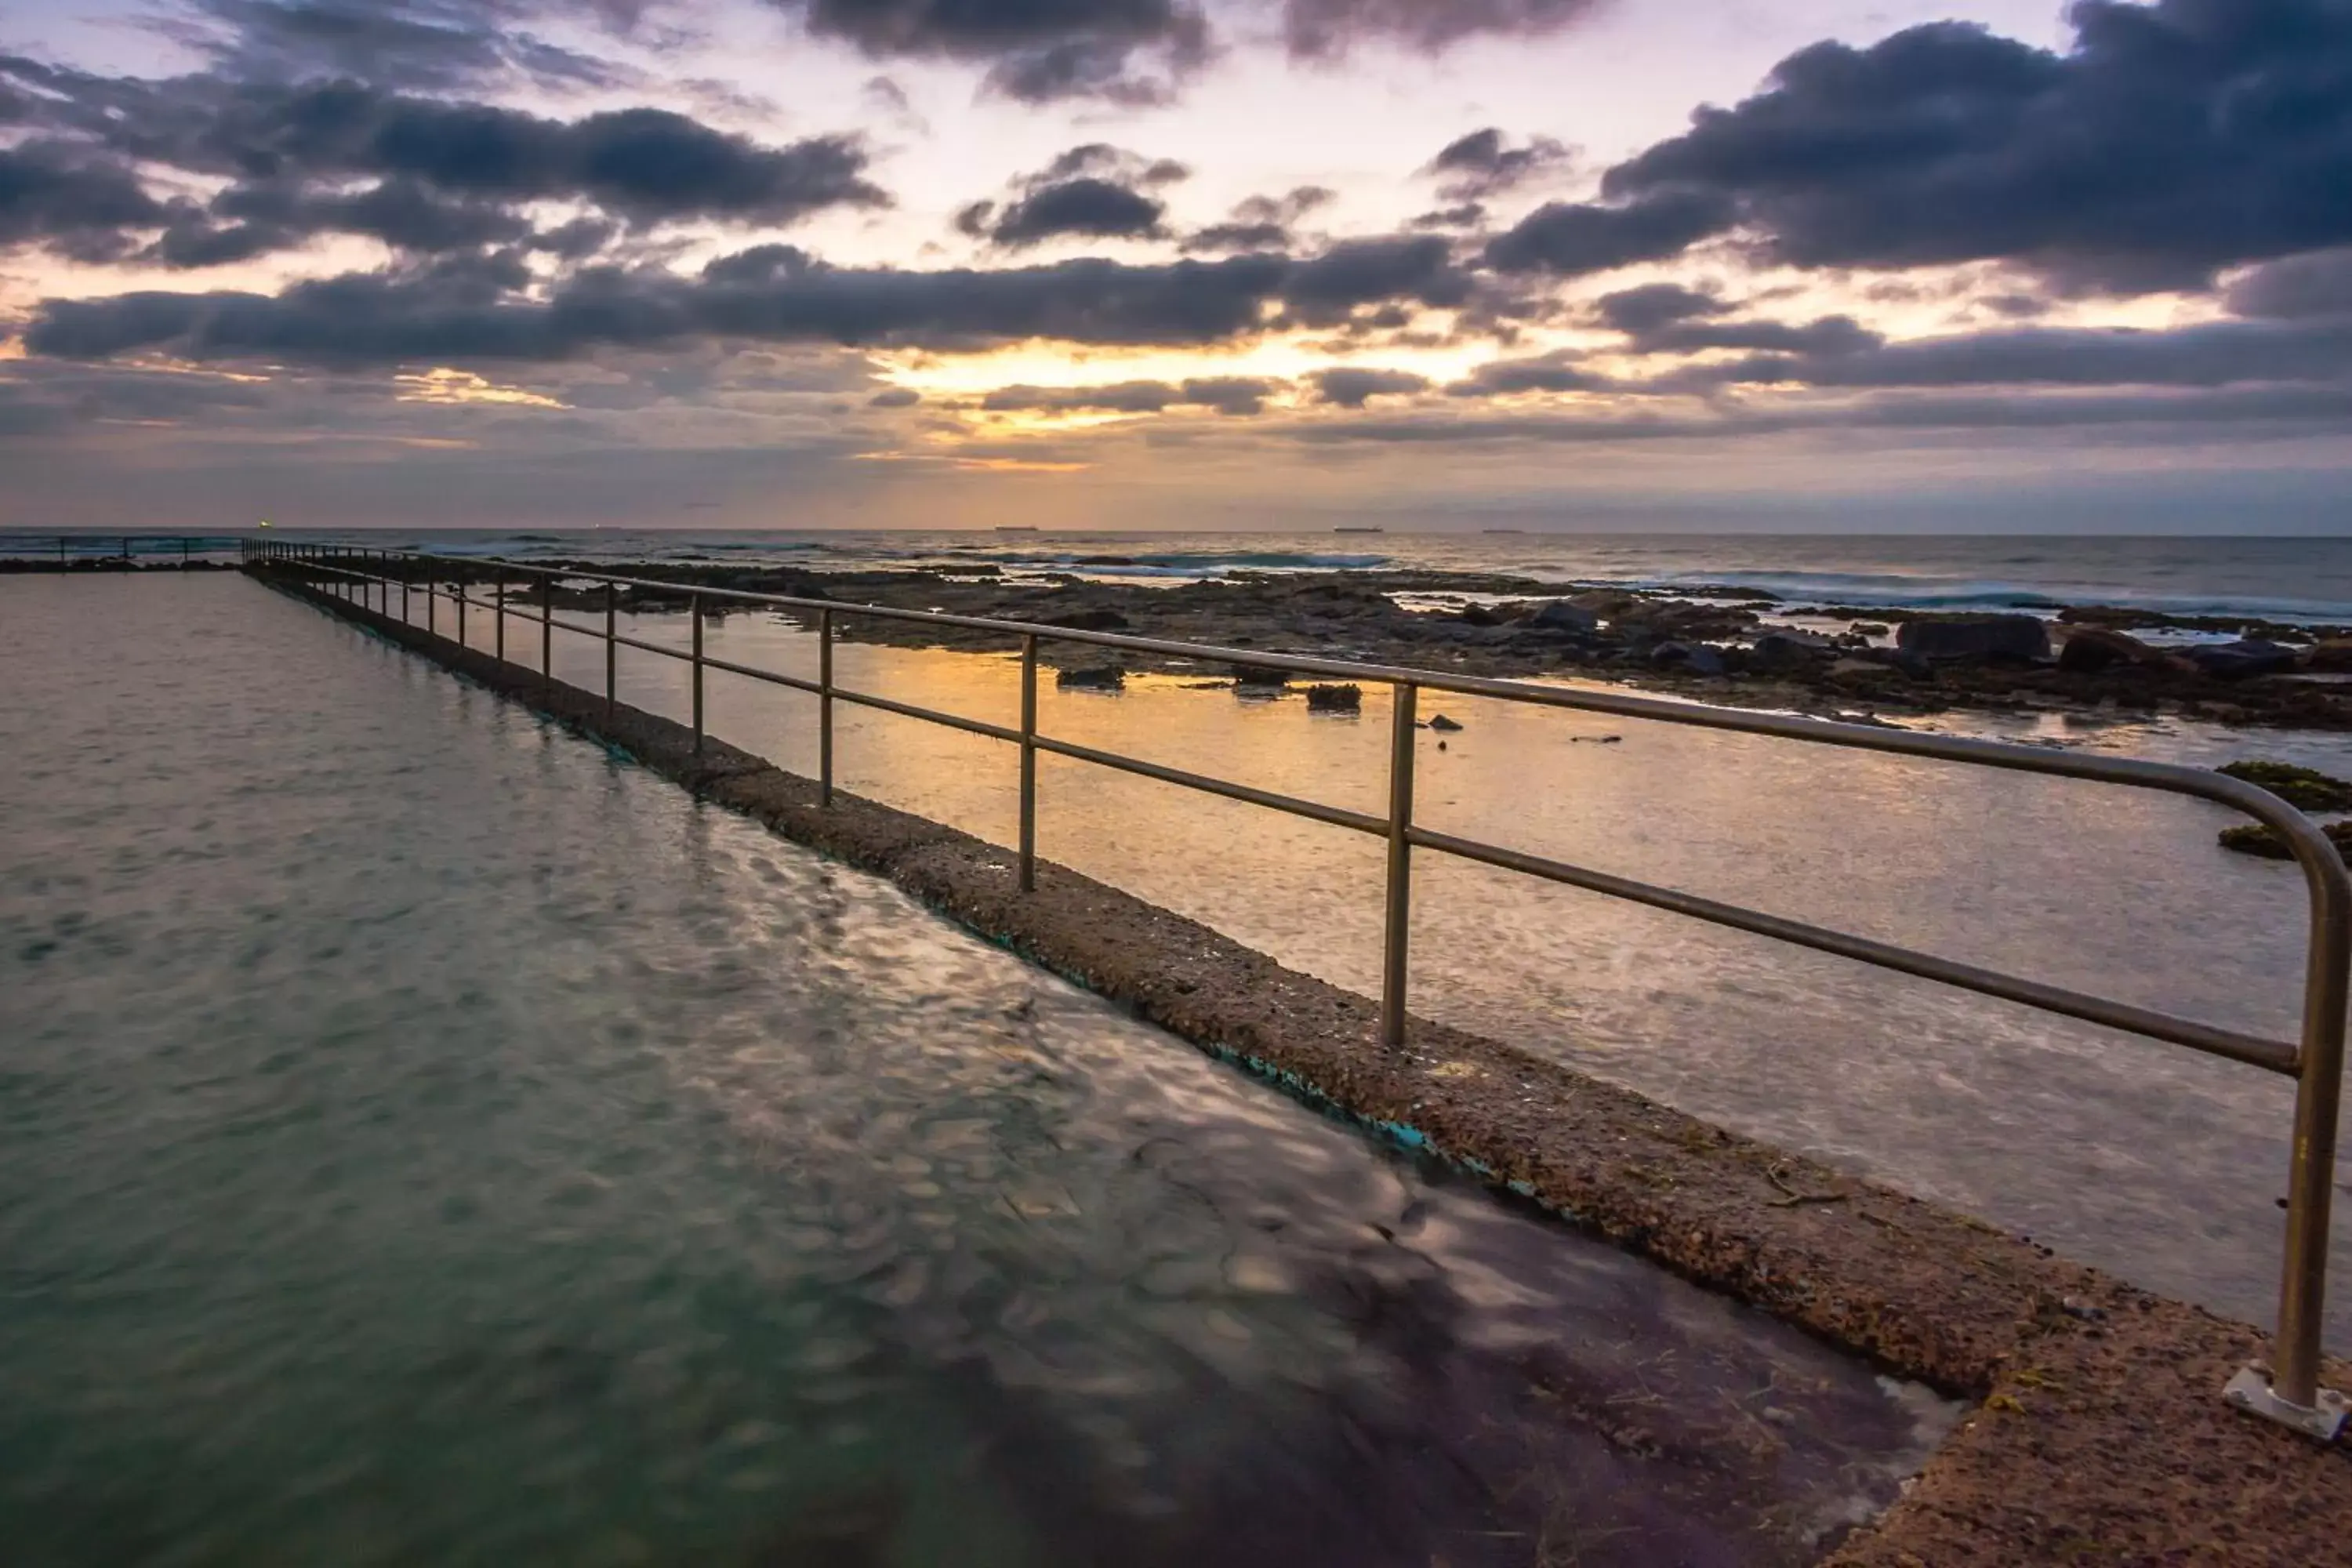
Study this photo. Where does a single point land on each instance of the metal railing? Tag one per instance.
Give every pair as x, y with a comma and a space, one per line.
65, 549
2288, 1391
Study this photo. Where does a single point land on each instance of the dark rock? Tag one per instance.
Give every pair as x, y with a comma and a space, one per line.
1440, 722
1868, 629
1478, 616
1695, 658
1095, 678
2243, 659
1346, 699
2332, 657
2089, 649
2260, 838
1089, 621
1560, 616
1258, 675
1776, 651
2019, 637
2305, 789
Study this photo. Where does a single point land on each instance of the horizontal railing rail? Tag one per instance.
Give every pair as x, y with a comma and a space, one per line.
71, 547
2288, 1390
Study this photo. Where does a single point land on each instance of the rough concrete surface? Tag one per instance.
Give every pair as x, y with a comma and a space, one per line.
2100, 1436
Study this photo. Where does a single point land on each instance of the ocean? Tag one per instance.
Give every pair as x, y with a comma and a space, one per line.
2307, 579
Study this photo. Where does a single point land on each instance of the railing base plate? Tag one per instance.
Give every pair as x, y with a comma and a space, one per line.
2250, 1391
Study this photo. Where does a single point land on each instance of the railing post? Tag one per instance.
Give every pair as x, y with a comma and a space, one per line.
1029, 762
1398, 928
825, 707
461, 606
404, 574
546, 631
694, 609
499, 604
611, 649
2292, 1393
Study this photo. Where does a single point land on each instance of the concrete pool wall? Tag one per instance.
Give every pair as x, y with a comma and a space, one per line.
2100, 1435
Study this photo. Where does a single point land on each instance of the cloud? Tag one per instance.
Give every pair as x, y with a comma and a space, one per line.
1261, 223
1825, 337
2173, 139
1090, 207
1349, 386
55, 193
1324, 29
895, 397
1228, 394
2317, 285
2215, 353
446, 171
1653, 305
1569, 239
423, 45
1324, 291
1558, 371
1036, 51
1479, 165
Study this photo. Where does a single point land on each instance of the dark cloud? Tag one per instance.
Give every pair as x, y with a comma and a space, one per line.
1101, 160
1559, 371
2175, 138
1326, 290
1261, 223
1089, 208
1229, 395
895, 397
1093, 191
1327, 28
1467, 216
1481, 165
2214, 353
1655, 305
55, 193
2304, 286
423, 45
448, 316
1349, 387
1569, 239
445, 171
1036, 51
1826, 337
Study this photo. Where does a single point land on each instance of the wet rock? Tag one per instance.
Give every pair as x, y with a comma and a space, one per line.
2332, 656
1440, 722
1775, 652
1868, 629
2305, 789
2242, 661
2262, 840
1562, 616
1344, 698
1692, 659
1257, 675
1478, 616
1087, 621
1977, 638
2089, 649
1094, 678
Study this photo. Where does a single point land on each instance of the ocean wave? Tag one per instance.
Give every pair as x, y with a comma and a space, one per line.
1188, 563
1890, 591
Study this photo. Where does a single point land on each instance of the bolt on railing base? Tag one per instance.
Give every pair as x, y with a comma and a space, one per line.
2250, 1391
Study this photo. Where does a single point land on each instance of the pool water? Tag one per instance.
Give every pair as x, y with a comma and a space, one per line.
425, 1137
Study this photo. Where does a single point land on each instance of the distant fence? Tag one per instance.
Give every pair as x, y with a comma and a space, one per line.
67, 550
2288, 1391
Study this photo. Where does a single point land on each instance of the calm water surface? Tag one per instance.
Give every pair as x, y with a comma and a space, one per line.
2148, 1159
425, 1139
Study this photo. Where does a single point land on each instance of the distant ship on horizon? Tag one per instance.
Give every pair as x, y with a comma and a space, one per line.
1359, 529
1009, 528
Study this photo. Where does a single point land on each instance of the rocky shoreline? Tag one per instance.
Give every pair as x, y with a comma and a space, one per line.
1726, 646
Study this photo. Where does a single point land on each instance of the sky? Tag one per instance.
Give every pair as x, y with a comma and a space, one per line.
1975, 265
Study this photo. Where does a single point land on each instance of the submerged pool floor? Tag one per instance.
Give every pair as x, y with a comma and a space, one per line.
425, 1139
